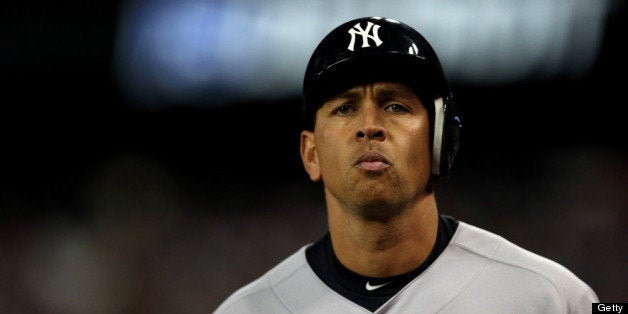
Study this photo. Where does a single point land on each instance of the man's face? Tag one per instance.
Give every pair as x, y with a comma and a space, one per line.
370, 146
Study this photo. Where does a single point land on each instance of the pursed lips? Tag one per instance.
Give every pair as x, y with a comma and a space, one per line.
372, 161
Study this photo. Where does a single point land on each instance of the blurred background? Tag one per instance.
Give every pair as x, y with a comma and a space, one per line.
150, 148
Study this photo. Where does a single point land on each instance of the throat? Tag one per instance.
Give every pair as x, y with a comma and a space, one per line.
393, 246
370, 253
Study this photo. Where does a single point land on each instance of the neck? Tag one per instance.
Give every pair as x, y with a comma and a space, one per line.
384, 248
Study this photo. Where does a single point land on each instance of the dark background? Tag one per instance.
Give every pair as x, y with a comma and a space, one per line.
105, 207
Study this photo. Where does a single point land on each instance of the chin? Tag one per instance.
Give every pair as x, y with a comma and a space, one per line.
378, 209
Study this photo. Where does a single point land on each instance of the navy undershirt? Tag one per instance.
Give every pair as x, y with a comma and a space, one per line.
320, 256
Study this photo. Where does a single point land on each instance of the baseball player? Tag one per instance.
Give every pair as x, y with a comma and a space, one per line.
381, 129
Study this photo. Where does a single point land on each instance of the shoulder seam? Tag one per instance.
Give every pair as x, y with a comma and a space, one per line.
491, 258
472, 282
272, 286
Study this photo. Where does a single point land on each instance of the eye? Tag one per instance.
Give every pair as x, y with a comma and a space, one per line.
343, 110
395, 107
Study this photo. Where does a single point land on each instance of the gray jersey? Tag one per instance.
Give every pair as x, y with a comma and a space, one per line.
478, 272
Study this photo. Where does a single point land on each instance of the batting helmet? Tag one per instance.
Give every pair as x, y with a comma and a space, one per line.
379, 49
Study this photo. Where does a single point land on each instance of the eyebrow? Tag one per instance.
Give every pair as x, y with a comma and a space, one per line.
352, 93
380, 91
387, 92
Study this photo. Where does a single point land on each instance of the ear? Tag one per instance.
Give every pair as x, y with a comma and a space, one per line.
309, 157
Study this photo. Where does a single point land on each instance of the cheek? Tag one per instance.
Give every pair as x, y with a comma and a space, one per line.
418, 144
327, 148
333, 149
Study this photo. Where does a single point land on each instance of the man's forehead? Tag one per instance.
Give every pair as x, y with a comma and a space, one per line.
379, 89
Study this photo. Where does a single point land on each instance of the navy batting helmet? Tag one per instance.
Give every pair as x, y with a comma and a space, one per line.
379, 49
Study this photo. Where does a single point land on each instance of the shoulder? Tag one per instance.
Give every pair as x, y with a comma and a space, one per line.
259, 296
527, 270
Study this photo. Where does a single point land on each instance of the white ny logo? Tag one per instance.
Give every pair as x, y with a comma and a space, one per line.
357, 29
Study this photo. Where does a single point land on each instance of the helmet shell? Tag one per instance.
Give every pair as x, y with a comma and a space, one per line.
368, 49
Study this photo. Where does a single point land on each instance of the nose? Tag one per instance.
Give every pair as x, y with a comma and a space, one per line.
371, 127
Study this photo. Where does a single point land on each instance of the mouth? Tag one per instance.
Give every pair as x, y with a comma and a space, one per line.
372, 161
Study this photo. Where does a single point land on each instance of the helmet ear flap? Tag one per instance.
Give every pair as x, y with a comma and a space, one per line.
446, 134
